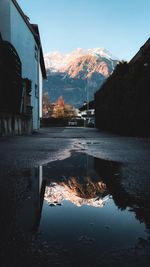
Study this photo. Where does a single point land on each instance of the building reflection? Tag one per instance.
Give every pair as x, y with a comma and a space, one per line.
30, 213
20, 213
123, 200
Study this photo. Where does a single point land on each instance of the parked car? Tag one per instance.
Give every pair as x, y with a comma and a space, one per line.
72, 123
91, 122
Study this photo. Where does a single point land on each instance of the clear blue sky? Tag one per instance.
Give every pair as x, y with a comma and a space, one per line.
121, 26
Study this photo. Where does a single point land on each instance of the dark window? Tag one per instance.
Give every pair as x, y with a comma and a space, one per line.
36, 53
36, 91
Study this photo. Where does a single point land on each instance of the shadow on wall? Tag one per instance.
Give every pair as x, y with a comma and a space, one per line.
15, 106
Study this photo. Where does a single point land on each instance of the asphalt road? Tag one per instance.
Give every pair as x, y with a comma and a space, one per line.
20, 154
51, 144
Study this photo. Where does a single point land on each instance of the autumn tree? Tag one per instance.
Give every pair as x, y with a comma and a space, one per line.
45, 104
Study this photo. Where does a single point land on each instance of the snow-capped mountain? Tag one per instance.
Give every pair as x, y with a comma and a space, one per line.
88, 192
56, 60
102, 52
78, 75
58, 193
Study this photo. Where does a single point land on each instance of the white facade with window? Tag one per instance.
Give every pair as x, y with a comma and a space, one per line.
16, 28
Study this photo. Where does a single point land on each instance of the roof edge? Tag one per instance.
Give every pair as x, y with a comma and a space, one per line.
36, 36
23, 15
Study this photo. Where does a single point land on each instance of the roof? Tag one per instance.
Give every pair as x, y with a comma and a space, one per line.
38, 40
25, 18
89, 105
35, 31
140, 53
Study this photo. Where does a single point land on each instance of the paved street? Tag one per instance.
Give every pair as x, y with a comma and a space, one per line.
20, 156
51, 144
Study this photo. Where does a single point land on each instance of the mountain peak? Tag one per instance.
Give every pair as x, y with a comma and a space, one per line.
102, 52
55, 60
77, 75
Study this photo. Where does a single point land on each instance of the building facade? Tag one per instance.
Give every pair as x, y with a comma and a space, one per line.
122, 104
16, 29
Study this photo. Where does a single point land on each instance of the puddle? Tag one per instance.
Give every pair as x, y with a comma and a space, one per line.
85, 211
79, 209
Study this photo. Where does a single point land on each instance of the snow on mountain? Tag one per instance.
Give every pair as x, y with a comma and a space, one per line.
56, 60
77, 74
102, 52
88, 193
58, 193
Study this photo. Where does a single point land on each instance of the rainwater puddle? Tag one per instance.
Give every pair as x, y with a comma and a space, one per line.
70, 213
85, 210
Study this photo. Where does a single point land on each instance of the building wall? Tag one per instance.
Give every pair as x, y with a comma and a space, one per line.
40, 90
14, 29
24, 42
5, 19
141, 52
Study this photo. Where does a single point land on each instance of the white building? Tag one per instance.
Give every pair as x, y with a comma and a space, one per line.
24, 36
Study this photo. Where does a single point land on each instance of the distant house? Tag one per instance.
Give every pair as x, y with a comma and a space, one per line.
88, 109
24, 37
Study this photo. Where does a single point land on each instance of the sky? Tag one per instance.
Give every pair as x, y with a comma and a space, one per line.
120, 26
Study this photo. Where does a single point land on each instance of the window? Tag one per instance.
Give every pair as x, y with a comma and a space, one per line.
36, 53
36, 91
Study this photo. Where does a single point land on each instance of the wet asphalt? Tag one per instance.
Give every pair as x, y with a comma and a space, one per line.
50, 144
18, 154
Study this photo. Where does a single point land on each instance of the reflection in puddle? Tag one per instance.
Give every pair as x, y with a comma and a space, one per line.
79, 212
75, 180
77, 192
30, 212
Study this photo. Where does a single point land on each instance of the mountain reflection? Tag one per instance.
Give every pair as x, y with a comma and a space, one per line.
75, 179
86, 180
78, 191
86, 208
